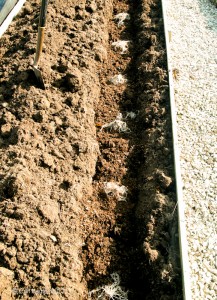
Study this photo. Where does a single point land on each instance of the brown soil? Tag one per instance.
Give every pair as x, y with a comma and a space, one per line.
61, 235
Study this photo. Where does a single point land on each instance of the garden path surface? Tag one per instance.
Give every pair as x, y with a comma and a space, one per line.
193, 25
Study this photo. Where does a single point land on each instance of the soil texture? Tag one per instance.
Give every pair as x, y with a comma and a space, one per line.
87, 187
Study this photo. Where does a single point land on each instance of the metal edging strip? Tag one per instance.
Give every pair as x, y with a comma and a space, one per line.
186, 285
11, 15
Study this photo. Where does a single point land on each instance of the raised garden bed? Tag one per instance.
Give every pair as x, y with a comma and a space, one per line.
88, 196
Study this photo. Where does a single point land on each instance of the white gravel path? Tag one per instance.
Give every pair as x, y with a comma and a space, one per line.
193, 49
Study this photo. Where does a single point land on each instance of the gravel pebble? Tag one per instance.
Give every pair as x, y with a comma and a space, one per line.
193, 27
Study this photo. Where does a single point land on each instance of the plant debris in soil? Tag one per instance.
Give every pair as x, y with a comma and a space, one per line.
80, 202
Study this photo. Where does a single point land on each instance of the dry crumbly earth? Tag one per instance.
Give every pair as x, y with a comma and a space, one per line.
61, 235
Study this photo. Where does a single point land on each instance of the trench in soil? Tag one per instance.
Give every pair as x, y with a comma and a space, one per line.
59, 229
140, 236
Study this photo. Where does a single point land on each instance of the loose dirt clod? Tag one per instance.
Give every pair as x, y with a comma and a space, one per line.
164, 180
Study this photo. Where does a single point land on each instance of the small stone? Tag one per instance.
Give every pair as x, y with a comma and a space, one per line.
53, 238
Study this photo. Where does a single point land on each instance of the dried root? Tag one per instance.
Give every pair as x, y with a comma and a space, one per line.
118, 79
117, 125
121, 18
131, 115
122, 46
112, 188
111, 291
